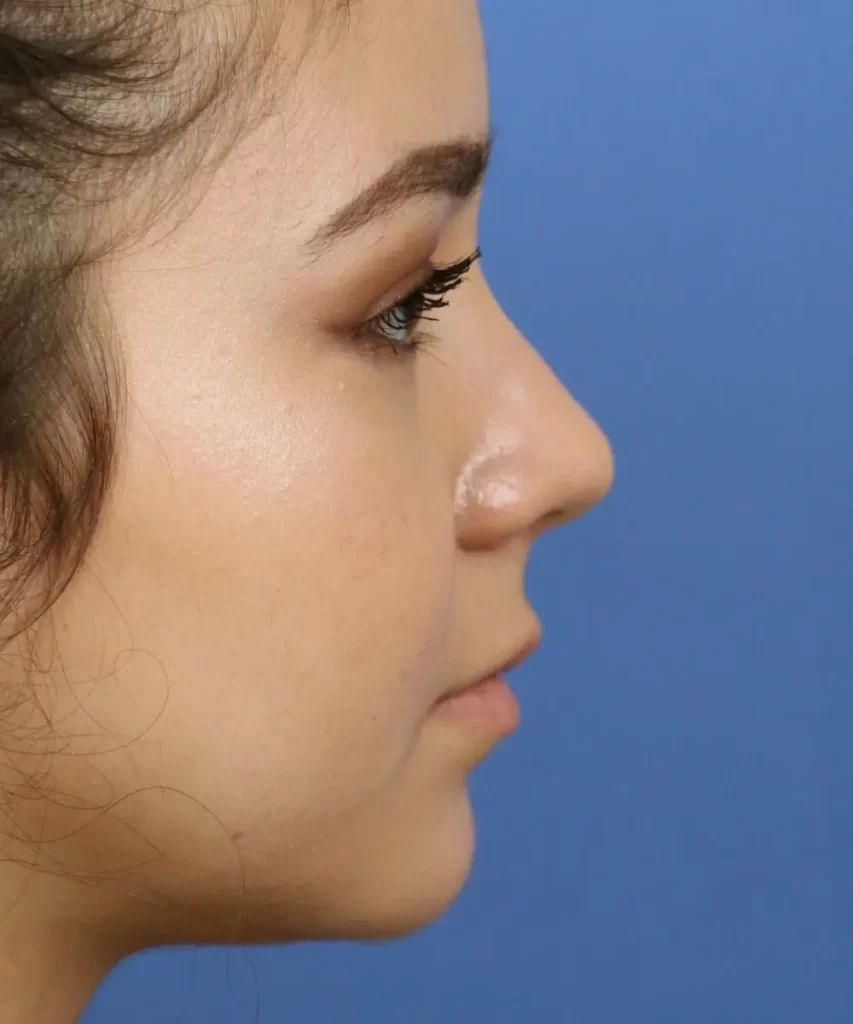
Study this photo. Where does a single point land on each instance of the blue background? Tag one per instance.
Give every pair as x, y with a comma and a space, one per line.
668, 837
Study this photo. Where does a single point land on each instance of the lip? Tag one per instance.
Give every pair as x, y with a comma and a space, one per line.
520, 653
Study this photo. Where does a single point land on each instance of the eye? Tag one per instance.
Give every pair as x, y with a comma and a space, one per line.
394, 325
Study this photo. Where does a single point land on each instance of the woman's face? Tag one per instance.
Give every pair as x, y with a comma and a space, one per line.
310, 539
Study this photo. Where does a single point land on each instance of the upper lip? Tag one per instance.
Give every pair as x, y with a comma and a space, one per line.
519, 653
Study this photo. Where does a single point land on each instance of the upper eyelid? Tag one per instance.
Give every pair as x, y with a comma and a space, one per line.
456, 269
398, 295
412, 293
456, 272
435, 273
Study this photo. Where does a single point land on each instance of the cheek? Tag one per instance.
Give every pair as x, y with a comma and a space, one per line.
296, 595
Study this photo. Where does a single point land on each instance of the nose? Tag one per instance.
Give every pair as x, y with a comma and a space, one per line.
536, 459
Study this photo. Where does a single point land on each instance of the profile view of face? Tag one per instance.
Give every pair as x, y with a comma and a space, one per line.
318, 528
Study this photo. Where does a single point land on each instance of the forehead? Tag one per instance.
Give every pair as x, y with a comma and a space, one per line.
377, 80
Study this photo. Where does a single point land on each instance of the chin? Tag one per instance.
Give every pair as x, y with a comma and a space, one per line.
409, 883
411, 907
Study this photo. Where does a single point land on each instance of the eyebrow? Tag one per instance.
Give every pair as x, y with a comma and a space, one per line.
456, 168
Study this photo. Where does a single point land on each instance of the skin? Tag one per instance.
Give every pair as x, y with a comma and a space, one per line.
307, 544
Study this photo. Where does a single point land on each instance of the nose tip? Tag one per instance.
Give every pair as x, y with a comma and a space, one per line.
544, 462
582, 471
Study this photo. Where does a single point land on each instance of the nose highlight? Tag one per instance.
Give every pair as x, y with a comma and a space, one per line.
542, 461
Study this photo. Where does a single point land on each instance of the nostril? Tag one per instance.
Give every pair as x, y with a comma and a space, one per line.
556, 517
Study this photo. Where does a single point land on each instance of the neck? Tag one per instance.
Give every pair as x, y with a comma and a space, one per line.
44, 984
53, 955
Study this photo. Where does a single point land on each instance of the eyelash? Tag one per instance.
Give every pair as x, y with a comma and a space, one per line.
427, 296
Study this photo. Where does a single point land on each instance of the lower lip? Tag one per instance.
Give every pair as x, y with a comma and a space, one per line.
490, 706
